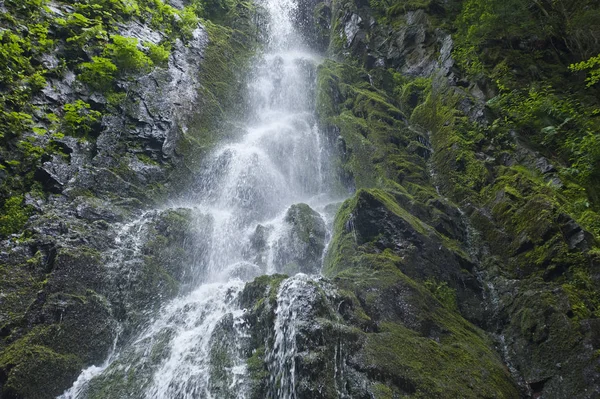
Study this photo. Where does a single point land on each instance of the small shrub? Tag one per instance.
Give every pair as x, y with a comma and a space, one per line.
592, 66
124, 53
13, 215
79, 119
158, 53
98, 74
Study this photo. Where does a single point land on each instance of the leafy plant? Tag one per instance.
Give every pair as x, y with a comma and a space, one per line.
592, 66
13, 215
98, 74
124, 53
158, 53
79, 118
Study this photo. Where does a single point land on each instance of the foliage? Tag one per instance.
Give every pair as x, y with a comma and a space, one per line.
557, 121
592, 66
124, 53
79, 118
215, 8
43, 44
389, 10
13, 216
525, 27
13, 64
524, 48
158, 53
98, 74
38, 44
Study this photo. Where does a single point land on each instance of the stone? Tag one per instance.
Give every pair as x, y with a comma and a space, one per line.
351, 28
300, 247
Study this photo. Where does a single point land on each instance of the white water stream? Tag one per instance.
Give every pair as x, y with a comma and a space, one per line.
249, 184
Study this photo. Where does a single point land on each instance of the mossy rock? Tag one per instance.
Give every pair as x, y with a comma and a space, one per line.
301, 247
37, 372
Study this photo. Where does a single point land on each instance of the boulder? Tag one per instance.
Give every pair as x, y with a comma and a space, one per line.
300, 247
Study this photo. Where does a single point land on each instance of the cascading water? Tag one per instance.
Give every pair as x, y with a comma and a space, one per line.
253, 190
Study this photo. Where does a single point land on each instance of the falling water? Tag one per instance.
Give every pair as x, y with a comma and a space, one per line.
193, 348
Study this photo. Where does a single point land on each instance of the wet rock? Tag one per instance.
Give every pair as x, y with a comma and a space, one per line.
301, 246
351, 28
313, 19
166, 252
375, 223
93, 209
314, 329
223, 357
258, 247
544, 166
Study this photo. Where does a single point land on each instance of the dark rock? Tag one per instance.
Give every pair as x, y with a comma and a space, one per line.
544, 166
93, 209
300, 247
334, 356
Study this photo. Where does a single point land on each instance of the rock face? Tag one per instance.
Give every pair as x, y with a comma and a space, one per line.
92, 260
369, 333
300, 248
459, 242
464, 264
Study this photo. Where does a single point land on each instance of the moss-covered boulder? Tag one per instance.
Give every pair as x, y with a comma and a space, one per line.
67, 325
300, 247
374, 222
371, 332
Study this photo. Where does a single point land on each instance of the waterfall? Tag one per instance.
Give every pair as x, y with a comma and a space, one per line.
250, 189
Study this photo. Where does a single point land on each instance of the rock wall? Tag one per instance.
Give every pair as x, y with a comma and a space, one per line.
464, 263
90, 257
458, 268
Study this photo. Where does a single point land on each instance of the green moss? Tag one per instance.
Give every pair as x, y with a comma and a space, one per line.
257, 371
226, 57
13, 216
260, 289
443, 293
345, 249
382, 391
36, 371
449, 357
423, 367
37, 367
146, 159
379, 150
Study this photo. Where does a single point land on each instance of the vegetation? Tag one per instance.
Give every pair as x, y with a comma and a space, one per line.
509, 135
13, 216
85, 40
530, 49
66, 73
592, 66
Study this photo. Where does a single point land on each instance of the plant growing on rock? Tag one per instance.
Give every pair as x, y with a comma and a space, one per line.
124, 53
158, 53
98, 74
13, 215
592, 66
80, 119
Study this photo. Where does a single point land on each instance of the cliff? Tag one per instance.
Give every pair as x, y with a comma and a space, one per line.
463, 264
105, 110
